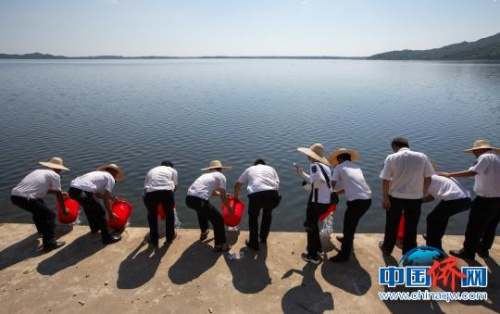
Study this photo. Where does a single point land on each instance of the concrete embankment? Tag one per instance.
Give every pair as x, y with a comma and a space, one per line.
187, 277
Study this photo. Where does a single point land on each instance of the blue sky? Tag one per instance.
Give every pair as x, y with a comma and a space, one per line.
241, 27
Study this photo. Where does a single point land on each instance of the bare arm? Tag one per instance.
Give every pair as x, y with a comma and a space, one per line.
427, 199
107, 204
427, 183
223, 198
60, 199
459, 174
386, 203
237, 188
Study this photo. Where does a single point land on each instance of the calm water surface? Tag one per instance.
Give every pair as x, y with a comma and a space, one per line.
138, 113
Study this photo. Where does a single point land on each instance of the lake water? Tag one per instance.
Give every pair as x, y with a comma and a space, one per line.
136, 113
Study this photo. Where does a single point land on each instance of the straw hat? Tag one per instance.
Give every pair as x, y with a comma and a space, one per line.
333, 156
215, 164
481, 144
119, 172
54, 163
315, 152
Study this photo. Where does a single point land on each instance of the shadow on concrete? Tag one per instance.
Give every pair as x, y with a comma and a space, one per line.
20, 251
140, 266
69, 255
249, 269
309, 297
348, 276
232, 236
194, 261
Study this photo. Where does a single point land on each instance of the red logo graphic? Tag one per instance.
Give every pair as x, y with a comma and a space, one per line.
444, 271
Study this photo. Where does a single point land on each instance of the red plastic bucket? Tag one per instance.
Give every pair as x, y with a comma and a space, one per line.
401, 230
234, 219
72, 206
161, 212
331, 209
122, 210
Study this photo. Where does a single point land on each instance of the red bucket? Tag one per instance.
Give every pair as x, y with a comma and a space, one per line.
72, 207
161, 213
331, 209
122, 210
234, 219
401, 230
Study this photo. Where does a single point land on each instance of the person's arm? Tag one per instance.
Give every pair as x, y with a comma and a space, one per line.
386, 203
107, 203
427, 199
60, 199
427, 183
304, 175
223, 198
458, 174
237, 188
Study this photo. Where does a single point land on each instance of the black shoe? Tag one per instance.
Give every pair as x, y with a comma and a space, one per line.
383, 249
483, 253
111, 239
309, 258
53, 245
461, 254
339, 258
340, 239
171, 240
150, 242
263, 241
252, 246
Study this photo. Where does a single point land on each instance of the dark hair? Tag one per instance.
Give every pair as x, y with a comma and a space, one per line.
344, 157
400, 142
259, 162
167, 163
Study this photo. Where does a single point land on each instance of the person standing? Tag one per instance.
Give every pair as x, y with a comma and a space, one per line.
358, 194
29, 193
263, 185
159, 188
211, 183
453, 199
405, 178
90, 187
319, 198
484, 215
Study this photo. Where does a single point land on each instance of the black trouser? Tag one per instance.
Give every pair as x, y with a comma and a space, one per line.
265, 200
152, 200
437, 220
483, 220
207, 212
94, 210
355, 210
313, 211
412, 209
43, 217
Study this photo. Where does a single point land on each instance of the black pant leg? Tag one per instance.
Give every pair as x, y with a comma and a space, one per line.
215, 217
355, 210
98, 216
85, 199
490, 229
45, 218
196, 203
151, 202
254, 206
392, 218
479, 217
168, 203
22, 202
313, 212
412, 210
267, 214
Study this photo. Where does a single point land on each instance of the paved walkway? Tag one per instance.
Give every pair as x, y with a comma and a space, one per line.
129, 277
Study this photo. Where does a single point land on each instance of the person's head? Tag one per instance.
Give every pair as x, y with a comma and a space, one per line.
167, 163
113, 170
55, 164
480, 147
479, 152
259, 162
216, 165
398, 143
343, 157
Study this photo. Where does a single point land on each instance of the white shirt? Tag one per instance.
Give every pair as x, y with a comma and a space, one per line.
94, 182
260, 178
206, 184
406, 170
351, 178
487, 183
324, 192
161, 178
37, 183
446, 189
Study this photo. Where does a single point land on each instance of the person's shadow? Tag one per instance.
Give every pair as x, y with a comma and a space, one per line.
309, 297
20, 251
348, 276
69, 255
249, 269
140, 266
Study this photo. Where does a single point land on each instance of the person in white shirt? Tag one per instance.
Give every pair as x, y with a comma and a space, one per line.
358, 194
484, 215
453, 199
319, 198
159, 188
405, 177
29, 193
263, 185
211, 183
90, 187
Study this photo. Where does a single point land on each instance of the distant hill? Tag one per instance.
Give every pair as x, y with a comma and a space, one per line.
484, 49
38, 55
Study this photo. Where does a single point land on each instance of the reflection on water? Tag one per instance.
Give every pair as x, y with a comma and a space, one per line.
137, 113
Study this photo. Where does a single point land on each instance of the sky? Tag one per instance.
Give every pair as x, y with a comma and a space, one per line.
240, 27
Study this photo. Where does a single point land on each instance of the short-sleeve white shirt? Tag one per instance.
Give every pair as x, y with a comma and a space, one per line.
487, 180
315, 174
260, 178
350, 176
206, 184
446, 189
161, 178
94, 182
37, 183
406, 170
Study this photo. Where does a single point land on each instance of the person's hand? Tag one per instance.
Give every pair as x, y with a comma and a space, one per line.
113, 216
65, 211
443, 174
235, 197
65, 194
299, 170
386, 203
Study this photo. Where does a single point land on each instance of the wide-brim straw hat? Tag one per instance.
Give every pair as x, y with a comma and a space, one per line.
481, 144
54, 163
315, 152
216, 164
119, 172
333, 156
